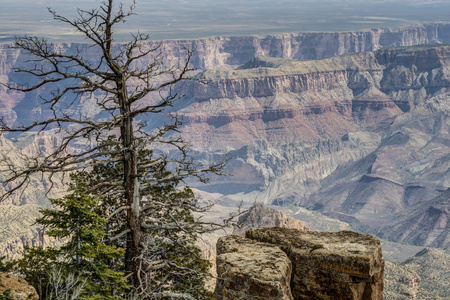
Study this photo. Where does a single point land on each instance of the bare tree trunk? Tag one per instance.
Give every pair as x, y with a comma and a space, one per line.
121, 90
132, 264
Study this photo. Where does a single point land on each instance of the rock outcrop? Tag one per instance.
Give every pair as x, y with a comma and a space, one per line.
16, 288
257, 216
325, 265
260, 215
253, 271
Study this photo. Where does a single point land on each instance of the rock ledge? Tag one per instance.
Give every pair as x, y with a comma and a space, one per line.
325, 265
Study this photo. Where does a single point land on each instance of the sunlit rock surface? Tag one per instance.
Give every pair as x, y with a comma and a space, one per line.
250, 270
325, 265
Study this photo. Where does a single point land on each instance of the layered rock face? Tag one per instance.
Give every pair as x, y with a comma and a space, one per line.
325, 265
283, 101
212, 53
354, 136
351, 136
222, 52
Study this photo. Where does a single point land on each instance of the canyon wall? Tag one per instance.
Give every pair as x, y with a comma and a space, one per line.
212, 53
218, 52
332, 135
354, 137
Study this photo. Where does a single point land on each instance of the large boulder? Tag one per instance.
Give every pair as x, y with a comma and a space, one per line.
329, 265
251, 270
17, 288
325, 265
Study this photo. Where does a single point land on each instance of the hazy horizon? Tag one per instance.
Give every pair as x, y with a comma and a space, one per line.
190, 19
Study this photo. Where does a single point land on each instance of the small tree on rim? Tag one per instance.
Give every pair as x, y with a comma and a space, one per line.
128, 83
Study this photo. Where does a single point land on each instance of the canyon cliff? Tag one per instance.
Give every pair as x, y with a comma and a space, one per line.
226, 52
355, 137
362, 137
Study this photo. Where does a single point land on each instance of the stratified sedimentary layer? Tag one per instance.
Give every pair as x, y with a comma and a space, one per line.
332, 135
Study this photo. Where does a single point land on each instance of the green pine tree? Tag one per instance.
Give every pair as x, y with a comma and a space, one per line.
77, 218
96, 265
172, 258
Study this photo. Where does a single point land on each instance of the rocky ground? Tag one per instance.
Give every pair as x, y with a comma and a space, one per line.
423, 276
16, 288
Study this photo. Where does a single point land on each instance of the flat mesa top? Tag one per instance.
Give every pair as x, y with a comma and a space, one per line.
343, 242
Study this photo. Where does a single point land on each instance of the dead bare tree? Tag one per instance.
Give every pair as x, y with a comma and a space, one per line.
128, 82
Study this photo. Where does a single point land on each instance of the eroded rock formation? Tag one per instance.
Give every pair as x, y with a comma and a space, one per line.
325, 265
257, 216
320, 134
260, 215
219, 52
